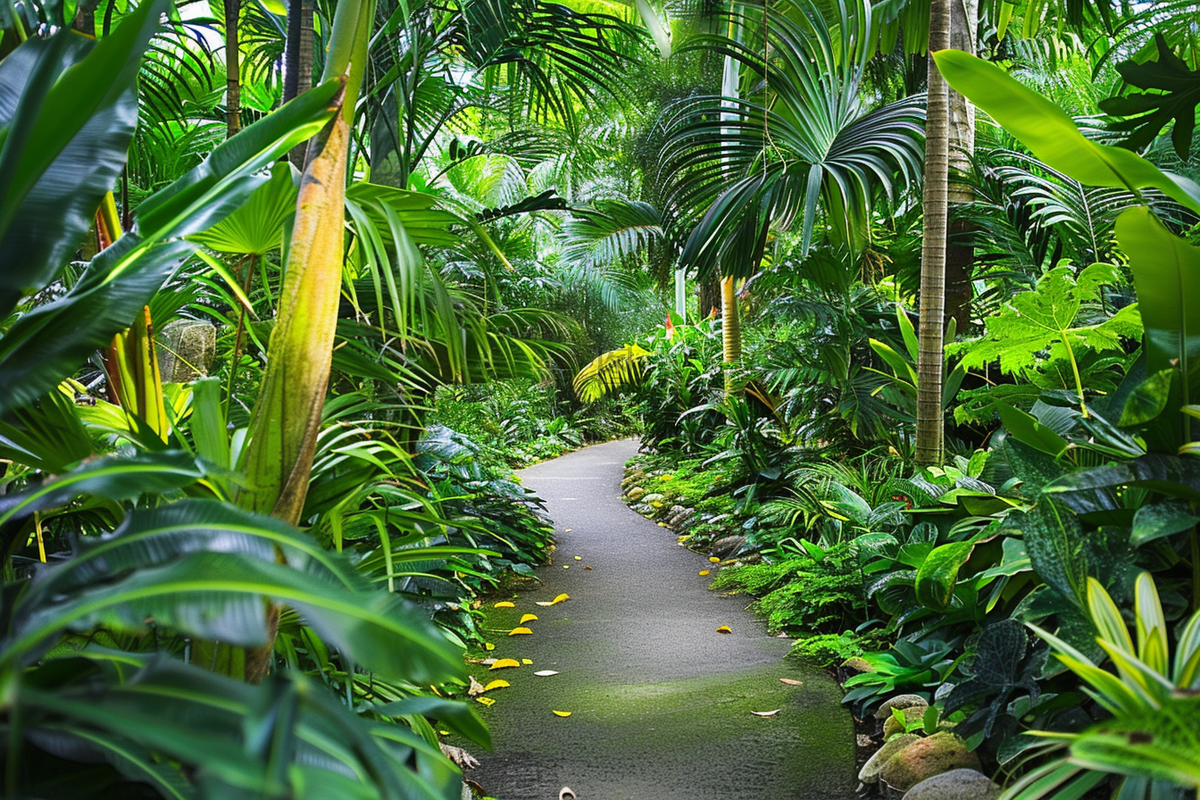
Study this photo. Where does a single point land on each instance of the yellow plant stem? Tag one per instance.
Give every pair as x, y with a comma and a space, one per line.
37, 527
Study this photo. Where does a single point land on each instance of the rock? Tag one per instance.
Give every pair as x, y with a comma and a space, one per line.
912, 714
957, 784
186, 349
900, 701
923, 759
636, 493
870, 771
724, 548
851, 667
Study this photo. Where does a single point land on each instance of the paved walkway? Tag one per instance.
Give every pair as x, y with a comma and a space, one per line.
660, 702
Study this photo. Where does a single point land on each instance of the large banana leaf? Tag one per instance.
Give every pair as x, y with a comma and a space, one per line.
47, 343
203, 568
67, 114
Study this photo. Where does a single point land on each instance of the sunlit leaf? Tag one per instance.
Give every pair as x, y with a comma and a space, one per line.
496, 684
505, 604
528, 618
562, 713
502, 663
519, 632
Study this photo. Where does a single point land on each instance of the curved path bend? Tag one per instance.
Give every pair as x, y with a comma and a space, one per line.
660, 702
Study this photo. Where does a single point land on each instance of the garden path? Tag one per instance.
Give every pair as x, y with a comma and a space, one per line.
660, 701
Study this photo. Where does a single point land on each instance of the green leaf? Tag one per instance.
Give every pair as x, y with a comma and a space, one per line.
257, 226
938, 574
1027, 429
453, 714
1051, 135
1175, 94
1162, 743
69, 110
1148, 399
1156, 520
1054, 542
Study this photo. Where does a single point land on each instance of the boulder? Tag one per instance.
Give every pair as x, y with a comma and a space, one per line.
925, 758
186, 349
957, 784
636, 493
652, 498
912, 714
729, 546
870, 771
900, 701
851, 667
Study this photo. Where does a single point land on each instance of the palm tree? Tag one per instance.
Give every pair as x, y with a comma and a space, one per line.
930, 421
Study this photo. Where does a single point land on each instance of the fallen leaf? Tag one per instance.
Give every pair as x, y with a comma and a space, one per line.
555, 601
526, 661
519, 632
528, 618
487, 661
704, 572
565, 793
496, 684
724, 629
714, 559
766, 713
476, 688
566, 566
489, 646
443, 733
505, 662
791, 681
505, 604
545, 673
487, 701
579, 558
587, 567
567, 530
562, 713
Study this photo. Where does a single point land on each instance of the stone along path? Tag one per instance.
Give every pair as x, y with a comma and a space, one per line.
660, 701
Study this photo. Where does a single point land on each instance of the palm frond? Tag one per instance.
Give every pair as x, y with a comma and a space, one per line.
610, 372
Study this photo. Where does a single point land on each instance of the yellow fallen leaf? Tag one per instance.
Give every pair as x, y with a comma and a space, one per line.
496, 684
704, 572
714, 559
724, 629
791, 681
562, 713
545, 673
487, 701
566, 566
489, 646
505, 604
443, 733
766, 713
527, 661
587, 567
528, 618
567, 530
579, 558
519, 632
555, 601
505, 662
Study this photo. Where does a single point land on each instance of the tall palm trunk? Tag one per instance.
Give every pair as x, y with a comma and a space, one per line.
233, 82
731, 331
960, 249
930, 422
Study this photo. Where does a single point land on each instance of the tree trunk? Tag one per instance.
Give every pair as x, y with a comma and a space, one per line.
85, 18
960, 249
233, 83
930, 421
298, 60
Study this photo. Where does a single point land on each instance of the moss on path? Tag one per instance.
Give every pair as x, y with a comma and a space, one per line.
660, 702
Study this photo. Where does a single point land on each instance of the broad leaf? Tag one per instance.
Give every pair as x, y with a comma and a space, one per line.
938, 575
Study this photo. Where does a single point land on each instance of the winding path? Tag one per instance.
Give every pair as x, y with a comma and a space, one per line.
660, 702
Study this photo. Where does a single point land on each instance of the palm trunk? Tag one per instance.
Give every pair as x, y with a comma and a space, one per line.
298, 59
233, 83
960, 251
930, 421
